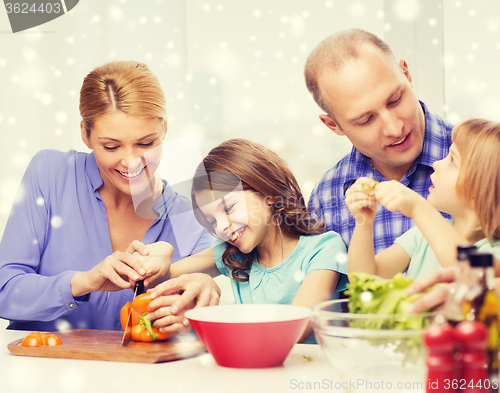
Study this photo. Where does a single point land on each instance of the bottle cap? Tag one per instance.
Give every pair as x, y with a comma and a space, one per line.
481, 260
464, 251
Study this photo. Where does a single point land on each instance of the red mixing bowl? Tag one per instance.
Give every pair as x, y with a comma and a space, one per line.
249, 335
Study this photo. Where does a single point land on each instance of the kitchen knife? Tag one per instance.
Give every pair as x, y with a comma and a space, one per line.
127, 334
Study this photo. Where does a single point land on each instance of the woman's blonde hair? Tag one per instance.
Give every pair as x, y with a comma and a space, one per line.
127, 86
478, 143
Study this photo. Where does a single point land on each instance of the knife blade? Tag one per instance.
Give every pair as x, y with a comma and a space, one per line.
127, 334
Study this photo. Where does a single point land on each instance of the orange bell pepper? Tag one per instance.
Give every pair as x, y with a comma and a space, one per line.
142, 330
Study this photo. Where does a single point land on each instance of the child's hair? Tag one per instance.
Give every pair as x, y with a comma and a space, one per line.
261, 171
478, 143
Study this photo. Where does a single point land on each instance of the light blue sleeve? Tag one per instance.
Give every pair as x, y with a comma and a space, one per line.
410, 240
329, 253
485, 246
25, 294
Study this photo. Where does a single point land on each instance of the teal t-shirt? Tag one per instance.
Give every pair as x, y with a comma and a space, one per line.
279, 284
423, 259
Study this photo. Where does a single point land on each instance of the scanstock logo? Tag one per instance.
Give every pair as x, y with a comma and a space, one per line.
26, 14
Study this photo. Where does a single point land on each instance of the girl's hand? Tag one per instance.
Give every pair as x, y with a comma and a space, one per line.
164, 319
195, 290
394, 196
360, 200
117, 271
156, 261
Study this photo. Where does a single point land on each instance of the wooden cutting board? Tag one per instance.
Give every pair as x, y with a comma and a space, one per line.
106, 345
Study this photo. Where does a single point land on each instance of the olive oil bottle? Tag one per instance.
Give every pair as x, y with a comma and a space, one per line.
482, 304
453, 308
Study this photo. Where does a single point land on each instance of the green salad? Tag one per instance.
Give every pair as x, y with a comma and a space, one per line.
370, 294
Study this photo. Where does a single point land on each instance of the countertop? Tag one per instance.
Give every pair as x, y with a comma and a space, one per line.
198, 374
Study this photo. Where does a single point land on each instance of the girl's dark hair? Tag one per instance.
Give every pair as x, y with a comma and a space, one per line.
261, 171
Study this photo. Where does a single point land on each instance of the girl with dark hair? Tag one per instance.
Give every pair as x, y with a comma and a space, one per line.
273, 251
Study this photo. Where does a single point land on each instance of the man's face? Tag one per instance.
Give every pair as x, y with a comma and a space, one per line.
373, 103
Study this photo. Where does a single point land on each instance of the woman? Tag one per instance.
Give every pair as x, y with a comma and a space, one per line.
71, 243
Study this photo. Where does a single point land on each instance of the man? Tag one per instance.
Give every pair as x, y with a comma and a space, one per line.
368, 97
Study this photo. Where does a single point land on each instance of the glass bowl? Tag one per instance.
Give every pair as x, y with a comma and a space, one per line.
372, 349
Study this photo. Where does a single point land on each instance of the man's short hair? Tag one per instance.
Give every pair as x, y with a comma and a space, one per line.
332, 53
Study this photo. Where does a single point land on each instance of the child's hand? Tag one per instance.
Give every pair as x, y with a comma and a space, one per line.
173, 297
360, 200
161, 313
394, 196
156, 262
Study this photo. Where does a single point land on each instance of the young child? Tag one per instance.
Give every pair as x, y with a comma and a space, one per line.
272, 250
466, 185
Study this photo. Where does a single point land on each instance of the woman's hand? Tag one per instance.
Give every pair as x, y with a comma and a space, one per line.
360, 200
191, 290
394, 196
156, 262
117, 271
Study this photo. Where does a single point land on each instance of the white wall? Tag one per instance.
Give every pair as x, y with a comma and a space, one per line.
234, 69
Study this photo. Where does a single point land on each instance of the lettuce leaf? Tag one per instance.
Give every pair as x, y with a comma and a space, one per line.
370, 294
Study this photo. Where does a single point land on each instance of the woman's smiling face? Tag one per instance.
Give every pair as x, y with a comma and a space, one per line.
127, 150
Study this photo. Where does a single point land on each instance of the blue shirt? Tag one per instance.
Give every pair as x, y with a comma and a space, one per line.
59, 226
280, 283
327, 201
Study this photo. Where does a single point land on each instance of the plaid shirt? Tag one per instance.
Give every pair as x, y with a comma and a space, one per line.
327, 199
